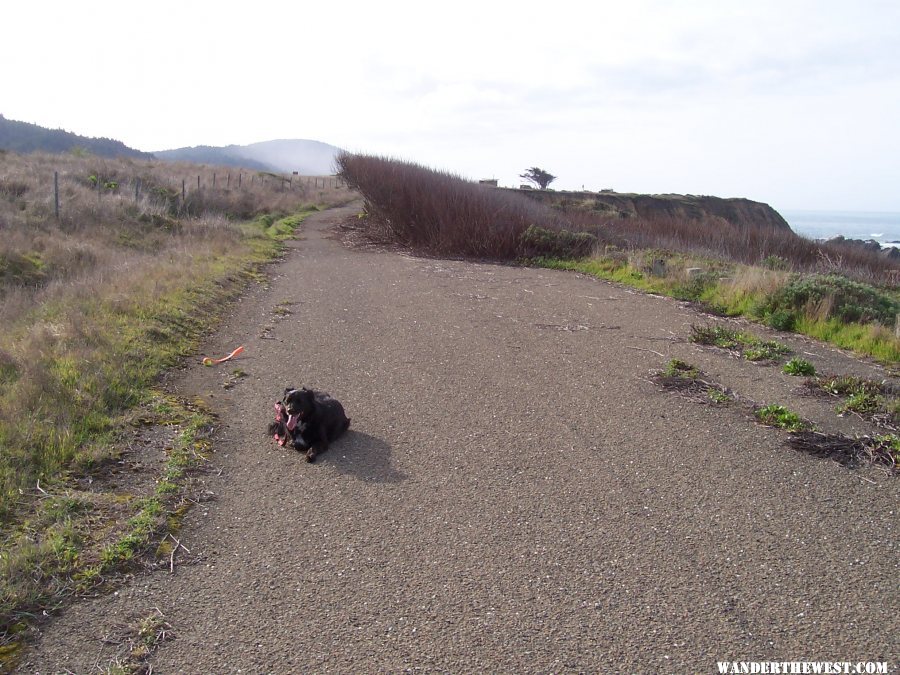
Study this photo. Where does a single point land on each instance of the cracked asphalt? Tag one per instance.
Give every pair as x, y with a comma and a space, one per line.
514, 494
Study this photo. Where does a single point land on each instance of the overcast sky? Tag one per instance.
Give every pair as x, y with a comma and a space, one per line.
795, 103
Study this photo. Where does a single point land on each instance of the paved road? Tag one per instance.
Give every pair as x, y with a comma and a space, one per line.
514, 495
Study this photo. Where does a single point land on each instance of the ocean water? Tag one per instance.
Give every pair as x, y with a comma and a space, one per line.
883, 227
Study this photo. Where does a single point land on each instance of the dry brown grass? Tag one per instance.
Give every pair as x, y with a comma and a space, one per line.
105, 233
97, 299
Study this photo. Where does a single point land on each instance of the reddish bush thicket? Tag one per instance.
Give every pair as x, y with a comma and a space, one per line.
438, 212
442, 213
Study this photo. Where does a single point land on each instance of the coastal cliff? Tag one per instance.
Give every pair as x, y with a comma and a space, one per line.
739, 211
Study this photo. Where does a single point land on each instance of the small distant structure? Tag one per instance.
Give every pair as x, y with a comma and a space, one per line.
490, 182
604, 190
525, 187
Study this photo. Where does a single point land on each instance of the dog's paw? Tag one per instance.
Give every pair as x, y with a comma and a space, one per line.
310, 455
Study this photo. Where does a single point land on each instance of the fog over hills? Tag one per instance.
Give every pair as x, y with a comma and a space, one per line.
303, 156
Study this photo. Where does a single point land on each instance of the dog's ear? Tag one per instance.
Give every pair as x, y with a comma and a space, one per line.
287, 391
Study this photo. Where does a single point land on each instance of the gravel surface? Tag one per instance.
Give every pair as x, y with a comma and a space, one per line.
514, 495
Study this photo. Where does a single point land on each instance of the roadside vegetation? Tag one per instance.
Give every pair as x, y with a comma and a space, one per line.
881, 408
842, 294
850, 314
738, 342
798, 367
688, 381
775, 415
877, 402
94, 306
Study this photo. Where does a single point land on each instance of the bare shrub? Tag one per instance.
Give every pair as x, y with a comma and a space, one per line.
441, 213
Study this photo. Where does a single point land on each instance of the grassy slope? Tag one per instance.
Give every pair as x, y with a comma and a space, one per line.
65, 539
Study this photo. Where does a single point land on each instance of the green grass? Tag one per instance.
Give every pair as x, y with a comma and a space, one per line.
869, 339
190, 450
603, 268
778, 416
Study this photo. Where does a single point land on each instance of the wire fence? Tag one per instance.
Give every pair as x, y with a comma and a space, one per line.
188, 186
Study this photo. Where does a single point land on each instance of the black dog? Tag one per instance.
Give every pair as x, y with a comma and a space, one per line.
309, 419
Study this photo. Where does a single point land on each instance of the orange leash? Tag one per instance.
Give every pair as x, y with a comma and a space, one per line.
211, 362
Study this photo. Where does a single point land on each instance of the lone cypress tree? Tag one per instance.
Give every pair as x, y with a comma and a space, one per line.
539, 177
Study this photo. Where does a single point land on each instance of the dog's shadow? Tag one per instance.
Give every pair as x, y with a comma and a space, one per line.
364, 457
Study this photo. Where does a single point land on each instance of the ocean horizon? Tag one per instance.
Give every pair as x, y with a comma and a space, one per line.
881, 226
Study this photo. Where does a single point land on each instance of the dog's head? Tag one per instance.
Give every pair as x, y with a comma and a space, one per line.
299, 403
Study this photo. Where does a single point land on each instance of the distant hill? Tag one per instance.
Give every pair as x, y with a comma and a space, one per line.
25, 137
303, 156
208, 154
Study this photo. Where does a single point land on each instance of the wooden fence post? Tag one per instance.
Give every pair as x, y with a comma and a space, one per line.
137, 189
56, 192
198, 182
183, 192
214, 180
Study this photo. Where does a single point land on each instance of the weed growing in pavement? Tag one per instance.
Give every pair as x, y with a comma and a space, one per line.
678, 368
799, 367
749, 346
878, 402
133, 645
719, 396
774, 415
689, 381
